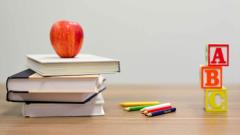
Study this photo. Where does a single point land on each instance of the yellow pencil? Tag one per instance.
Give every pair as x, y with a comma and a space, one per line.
127, 104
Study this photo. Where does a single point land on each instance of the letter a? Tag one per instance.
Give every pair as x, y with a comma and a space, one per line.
218, 54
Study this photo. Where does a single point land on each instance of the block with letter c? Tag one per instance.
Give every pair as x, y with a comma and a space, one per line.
216, 100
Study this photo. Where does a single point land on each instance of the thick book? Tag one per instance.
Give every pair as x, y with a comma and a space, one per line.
31, 82
91, 108
63, 98
53, 65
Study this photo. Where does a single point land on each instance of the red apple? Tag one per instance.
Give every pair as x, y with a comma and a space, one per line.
66, 38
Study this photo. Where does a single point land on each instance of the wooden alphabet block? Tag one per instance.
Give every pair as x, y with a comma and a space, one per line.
211, 77
216, 100
218, 55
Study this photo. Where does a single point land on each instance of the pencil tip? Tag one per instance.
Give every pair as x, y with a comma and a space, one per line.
126, 109
149, 114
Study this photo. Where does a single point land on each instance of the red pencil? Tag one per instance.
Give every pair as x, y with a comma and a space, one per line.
157, 109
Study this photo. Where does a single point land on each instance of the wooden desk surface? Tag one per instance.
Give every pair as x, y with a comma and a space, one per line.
190, 118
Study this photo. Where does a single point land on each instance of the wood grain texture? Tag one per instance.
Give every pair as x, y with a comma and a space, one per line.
189, 119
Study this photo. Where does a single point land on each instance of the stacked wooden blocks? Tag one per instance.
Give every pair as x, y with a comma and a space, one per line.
216, 97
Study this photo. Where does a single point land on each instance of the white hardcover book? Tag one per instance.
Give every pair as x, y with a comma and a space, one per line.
92, 108
31, 82
52, 97
53, 65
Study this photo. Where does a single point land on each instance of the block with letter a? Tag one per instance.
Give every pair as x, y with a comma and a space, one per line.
211, 77
218, 54
216, 100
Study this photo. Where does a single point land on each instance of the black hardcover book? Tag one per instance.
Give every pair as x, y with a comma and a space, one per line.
28, 86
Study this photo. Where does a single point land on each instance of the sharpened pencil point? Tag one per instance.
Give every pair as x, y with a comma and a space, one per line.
149, 114
127, 109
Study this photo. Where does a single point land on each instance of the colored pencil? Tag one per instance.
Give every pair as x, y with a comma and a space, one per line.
157, 109
128, 104
135, 108
161, 112
155, 106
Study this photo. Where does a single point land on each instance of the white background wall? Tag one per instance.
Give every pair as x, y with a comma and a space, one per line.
157, 41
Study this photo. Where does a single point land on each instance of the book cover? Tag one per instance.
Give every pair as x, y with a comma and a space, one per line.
53, 65
31, 82
92, 108
57, 98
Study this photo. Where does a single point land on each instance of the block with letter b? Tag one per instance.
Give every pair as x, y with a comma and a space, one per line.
211, 77
218, 54
216, 100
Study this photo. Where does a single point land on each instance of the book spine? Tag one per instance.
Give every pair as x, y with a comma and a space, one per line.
22, 75
7, 96
119, 68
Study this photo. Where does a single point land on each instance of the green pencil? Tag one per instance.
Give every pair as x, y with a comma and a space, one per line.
135, 108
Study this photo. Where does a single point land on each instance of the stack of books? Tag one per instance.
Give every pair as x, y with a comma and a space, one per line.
54, 86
